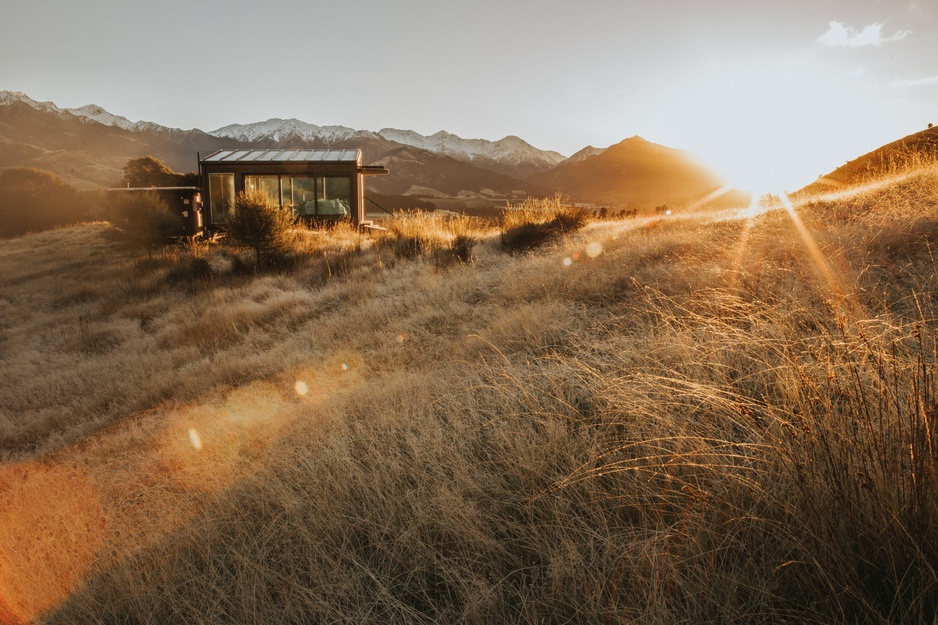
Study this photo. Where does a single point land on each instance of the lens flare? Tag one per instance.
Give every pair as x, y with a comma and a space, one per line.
782, 202
195, 439
814, 251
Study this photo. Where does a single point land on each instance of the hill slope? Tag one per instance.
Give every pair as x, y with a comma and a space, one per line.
652, 420
915, 148
87, 153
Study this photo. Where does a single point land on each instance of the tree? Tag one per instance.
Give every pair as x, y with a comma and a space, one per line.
143, 219
257, 223
147, 171
34, 199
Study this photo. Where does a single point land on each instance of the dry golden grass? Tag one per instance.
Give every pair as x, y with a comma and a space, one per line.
700, 419
535, 222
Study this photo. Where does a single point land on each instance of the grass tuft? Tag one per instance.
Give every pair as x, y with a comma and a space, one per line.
534, 222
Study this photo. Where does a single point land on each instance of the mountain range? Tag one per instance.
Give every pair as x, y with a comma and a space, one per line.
88, 147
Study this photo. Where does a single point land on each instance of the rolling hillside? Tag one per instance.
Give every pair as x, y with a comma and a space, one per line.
918, 147
693, 418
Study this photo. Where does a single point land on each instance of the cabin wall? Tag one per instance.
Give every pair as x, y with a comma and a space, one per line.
298, 169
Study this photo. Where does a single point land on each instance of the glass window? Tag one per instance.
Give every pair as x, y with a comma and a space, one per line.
304, 196
286, 194
269, 185
221, 193
335, 195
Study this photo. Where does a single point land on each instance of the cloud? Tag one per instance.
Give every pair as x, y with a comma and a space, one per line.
920, 82
842, 36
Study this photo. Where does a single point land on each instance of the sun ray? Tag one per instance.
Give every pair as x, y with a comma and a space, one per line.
713, 195
846, 192
813, 249
842, 297
749, 215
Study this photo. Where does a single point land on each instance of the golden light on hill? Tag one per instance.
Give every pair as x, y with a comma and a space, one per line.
52, 523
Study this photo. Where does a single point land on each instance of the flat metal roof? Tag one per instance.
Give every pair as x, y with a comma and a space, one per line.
284, 156
155, 189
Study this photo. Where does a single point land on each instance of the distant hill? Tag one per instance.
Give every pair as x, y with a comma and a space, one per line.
419, 173
85, 152
583, 154
890, 157
634, 171
511, 156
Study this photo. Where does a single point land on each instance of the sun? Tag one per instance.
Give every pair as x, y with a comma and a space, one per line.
761, 172
761, 180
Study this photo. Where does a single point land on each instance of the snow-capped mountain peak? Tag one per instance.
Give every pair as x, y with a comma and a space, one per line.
277, 129
8, 98
98, 114
90, 112
510, 149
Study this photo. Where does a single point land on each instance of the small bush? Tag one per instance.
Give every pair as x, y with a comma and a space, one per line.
461, 247
258, 224
192, 269
440, 234
524, 237
143, 220
411, 247
535, 222
147, 171
34, 199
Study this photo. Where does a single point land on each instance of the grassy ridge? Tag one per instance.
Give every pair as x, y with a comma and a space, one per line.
687, 419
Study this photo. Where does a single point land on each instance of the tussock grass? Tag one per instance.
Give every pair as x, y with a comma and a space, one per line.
444, 237
700, 419
534, 222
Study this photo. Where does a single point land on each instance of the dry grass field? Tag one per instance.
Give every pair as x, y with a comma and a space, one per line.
694, 418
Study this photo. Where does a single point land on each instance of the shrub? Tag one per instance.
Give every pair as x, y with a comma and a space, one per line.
257, 223
461, 248
34, 199
537, 221
189, 270
147, 171
143, 220
441, 234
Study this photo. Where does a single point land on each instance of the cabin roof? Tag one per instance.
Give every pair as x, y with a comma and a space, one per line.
284, 156
155, 189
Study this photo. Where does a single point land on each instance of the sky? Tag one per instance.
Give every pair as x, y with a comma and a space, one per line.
771, 93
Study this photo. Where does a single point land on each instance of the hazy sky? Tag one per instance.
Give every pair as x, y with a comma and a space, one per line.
773, 93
